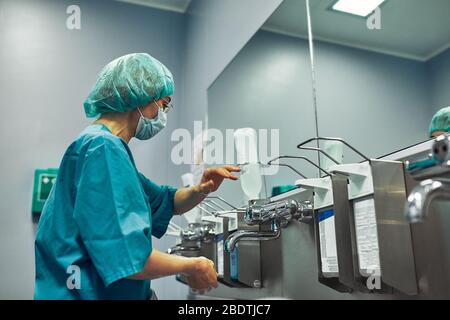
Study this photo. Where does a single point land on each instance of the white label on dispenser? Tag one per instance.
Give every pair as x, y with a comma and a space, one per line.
328, 249
366, 237
220, 265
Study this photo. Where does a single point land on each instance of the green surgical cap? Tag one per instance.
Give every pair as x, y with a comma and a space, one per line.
440, 121
128, 82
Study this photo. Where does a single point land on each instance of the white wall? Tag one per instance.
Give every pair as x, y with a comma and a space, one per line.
378, 103
216, 31
439, 71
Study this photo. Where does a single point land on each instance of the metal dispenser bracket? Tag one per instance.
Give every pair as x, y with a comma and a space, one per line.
384, 182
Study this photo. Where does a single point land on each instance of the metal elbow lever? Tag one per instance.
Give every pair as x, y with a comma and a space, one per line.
301, 146
237, 236
421, 197
300, 158
260, 211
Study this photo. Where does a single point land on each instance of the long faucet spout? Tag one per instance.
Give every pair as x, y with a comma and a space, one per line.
181, 249
422, 196
237, 236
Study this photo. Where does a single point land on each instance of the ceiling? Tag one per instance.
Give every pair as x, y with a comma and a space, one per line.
415, 29
171, 5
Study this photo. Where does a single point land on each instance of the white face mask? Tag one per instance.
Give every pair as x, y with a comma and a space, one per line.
148, 128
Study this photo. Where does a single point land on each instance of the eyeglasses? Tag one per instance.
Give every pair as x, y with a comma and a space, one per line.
166, 106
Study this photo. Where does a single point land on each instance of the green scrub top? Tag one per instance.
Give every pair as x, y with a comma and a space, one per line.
97, 224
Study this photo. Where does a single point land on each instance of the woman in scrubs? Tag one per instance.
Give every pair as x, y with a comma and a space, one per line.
94, 239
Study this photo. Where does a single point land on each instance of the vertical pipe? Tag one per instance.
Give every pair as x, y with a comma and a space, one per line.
313, 77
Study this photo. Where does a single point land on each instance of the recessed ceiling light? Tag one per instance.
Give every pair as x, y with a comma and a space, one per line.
358, 7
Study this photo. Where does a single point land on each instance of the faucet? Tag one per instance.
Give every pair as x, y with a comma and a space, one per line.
280, 213
237, 236
421, 197
437, 186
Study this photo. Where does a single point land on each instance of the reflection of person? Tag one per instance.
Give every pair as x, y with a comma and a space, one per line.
440, 123
94, 239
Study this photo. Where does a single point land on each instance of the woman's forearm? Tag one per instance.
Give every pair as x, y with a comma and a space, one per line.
199, 271
161, 264
187, 198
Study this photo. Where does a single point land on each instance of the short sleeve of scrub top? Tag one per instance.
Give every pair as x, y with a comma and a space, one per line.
111, 212
161, 200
